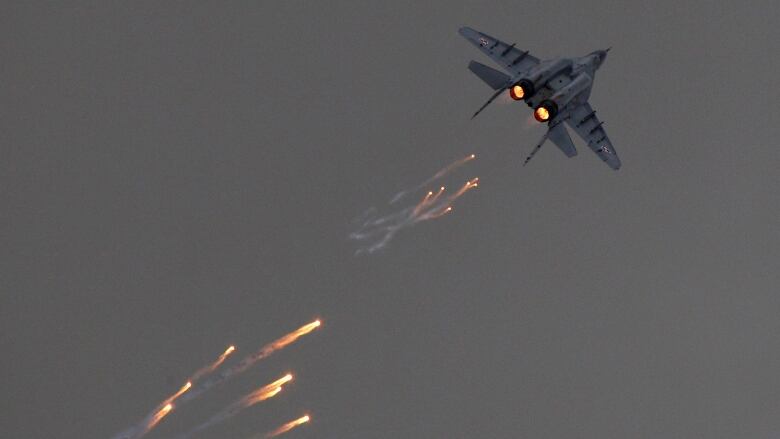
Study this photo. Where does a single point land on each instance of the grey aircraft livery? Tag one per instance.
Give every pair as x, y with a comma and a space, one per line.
557, 89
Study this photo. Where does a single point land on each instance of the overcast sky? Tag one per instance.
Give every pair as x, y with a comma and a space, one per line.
176, 177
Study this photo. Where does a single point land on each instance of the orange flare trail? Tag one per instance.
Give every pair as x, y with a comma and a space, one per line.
221, 359
288, 426
453, 166
429, 198
281, 381
213, 366
474, 182
162, 411
265, 392
289, 338
259, 396
440, 213
261, 354
158, 416
181, 391
438, 194
271, 393
167, 404
268, 391
422, 203
447, 169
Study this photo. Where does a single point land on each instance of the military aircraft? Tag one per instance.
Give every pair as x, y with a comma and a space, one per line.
557, 89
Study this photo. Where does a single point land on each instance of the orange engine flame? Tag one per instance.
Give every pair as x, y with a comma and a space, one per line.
516, 92
541, 114
288, 426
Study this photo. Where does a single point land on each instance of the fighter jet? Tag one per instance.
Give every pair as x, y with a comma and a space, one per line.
557, 89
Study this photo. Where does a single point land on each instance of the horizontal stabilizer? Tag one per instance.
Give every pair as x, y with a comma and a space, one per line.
560, 137
492, 77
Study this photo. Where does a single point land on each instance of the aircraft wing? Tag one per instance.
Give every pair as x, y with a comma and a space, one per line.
512, 59
584, 122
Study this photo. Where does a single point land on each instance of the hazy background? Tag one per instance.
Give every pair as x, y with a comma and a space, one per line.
178, 177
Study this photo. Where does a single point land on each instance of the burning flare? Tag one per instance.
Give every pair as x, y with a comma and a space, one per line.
474, 182
158, 417
181, 391
429, 198
268, 391
162, 411
213, 366
437, 195
250, 360
222, 357
375, 231
451, 167
271, 393
288, 426
290, 338
193, 389
434, 215
441, 173
265, 392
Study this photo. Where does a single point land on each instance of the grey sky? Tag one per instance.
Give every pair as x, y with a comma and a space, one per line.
176, 178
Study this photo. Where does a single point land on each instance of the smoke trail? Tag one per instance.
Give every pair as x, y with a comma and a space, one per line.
187, 393
213, 366
261, 394
250, 360
166, 406
288, 426
163, 412
440, 174
375, 232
